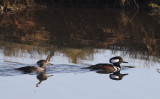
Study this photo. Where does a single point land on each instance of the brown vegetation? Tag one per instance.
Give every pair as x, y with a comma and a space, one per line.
77, 32
19, 5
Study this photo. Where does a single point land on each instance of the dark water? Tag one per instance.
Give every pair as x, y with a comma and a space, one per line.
76, 38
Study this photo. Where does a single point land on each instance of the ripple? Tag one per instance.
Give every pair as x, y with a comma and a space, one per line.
8, 68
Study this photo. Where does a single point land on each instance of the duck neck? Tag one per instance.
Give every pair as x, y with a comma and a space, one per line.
43, 66
117, 64
117, 73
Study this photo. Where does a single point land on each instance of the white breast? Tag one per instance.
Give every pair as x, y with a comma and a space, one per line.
41, 69
116, 68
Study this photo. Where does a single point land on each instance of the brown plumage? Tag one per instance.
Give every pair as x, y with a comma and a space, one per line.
29, 69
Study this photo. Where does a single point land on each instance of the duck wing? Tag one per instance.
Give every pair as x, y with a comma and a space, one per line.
103, 64
100, 66
27, 69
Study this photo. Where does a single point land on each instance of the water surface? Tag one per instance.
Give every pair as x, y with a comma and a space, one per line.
74, 39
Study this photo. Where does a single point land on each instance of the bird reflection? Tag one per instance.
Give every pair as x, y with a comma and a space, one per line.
158, 70
41, 77
114, 75
117, 75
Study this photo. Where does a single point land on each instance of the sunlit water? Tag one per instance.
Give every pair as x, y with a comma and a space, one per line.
74, 39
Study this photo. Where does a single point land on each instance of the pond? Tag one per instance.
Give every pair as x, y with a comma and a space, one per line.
75, 38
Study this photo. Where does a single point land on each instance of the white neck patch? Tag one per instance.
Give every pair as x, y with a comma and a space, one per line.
114, 60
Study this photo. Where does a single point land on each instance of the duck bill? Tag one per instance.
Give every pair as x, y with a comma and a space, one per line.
124, 62
49, 64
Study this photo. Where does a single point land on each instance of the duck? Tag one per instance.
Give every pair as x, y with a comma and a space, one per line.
114, 65
30, 69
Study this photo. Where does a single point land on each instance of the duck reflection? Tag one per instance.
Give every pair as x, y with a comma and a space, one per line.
117, 75
114, 75
158, 70
42, 76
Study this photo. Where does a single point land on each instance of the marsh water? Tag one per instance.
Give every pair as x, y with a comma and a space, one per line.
74, 39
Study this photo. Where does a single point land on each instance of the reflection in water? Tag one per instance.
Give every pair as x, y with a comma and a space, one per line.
76, 37
117, 75
78, 32
113, 75
158, 70
41, 76
9, 69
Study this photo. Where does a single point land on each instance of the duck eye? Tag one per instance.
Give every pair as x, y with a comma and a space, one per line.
114, 60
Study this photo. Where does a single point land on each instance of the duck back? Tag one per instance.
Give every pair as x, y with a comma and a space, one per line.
100, 66
30, 69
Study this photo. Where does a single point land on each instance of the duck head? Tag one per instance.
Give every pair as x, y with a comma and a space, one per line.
116, 61
43, 63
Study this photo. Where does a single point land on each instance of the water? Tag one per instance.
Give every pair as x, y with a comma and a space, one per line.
74, 39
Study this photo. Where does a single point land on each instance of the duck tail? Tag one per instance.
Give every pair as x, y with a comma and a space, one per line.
90, 67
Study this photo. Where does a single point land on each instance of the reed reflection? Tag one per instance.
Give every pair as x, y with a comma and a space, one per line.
78, 32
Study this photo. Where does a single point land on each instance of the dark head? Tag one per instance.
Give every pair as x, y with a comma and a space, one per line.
117, 60
42, 63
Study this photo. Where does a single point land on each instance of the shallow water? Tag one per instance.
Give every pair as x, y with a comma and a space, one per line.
74, 39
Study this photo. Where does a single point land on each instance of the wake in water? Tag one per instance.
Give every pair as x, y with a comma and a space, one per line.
8, 68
